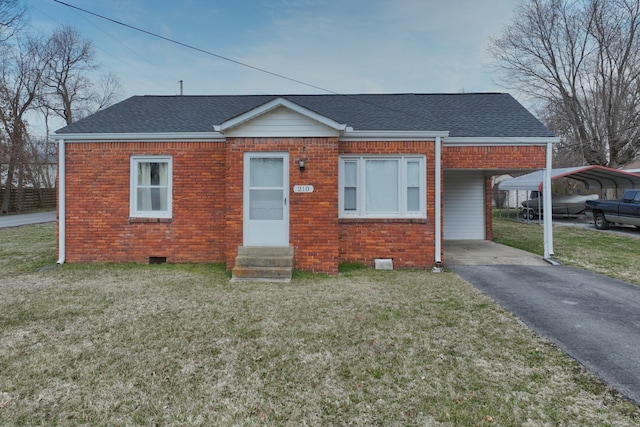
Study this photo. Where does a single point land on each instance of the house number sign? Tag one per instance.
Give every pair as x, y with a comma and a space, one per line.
303, 188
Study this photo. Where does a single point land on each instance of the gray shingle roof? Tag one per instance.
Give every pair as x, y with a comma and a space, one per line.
463, 115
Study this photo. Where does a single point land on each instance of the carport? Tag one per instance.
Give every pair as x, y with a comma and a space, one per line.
593, 177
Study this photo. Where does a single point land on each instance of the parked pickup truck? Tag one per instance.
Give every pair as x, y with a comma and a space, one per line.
606, 212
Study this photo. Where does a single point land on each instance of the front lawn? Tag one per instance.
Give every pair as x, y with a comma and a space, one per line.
180, 345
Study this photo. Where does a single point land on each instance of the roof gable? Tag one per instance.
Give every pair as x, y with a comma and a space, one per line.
280, 118
279, 107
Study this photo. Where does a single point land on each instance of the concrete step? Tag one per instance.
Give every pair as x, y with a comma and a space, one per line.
262, 273
265, 251
272, 261
263, 263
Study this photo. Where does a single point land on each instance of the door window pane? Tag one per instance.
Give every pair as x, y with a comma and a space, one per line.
266, 204
266, 172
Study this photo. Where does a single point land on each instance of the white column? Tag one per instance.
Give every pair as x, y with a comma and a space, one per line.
438, 200
62, 188
547, 204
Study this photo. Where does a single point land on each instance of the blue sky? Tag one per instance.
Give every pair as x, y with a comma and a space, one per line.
345, 46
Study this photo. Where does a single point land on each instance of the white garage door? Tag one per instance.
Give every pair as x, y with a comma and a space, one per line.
463, 204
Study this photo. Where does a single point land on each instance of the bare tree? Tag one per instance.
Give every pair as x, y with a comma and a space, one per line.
12, 17
106, 92
54, 76
70, 91
20, 79
70, 60
580, 60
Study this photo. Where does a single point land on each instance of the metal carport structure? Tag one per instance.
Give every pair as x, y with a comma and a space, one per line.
591, 176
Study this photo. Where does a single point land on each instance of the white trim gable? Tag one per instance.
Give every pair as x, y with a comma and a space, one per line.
280, 118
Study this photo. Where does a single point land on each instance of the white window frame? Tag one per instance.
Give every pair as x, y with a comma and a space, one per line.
134, 212
361, 187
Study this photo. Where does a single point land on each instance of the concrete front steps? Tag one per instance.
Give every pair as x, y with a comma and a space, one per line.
263, 264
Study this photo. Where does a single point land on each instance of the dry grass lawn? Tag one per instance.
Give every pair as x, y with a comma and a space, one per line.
180, 345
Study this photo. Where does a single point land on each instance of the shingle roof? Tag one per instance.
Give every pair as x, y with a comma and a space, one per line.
463, 115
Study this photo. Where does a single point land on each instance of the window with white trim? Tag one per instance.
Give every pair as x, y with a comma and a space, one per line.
382, 187
150, 194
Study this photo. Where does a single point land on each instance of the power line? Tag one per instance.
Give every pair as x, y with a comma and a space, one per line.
106, 51
197, 49
224, 58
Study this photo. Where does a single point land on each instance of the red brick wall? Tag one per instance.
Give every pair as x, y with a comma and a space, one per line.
97, 215
313, 216
493, 157
409, 242
207, 202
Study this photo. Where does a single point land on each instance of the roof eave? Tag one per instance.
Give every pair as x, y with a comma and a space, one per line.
355, 136
146, 136
498, 141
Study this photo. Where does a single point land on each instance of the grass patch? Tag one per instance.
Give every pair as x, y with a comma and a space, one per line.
348, 266
180, 345
27, 248
613, 255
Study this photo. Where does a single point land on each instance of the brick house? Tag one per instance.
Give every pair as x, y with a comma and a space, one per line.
334, 177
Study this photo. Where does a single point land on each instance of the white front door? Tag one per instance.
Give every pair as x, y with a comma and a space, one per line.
266, 199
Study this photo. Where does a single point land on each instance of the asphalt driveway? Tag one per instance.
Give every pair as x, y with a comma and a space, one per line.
26, 219
594, 318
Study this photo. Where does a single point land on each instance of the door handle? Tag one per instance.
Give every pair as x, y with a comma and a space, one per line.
285, 201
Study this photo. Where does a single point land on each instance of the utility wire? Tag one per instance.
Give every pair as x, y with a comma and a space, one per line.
197, 49
262, 70
107, 52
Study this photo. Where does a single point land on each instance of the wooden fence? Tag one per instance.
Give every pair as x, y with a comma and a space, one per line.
30, 199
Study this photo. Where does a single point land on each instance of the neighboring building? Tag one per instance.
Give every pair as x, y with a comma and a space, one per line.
633, 167
336, 177
39, 174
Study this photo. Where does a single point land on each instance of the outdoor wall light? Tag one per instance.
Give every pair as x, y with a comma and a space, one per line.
302, 164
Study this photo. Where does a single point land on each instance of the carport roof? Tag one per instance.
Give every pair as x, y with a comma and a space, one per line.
591, 176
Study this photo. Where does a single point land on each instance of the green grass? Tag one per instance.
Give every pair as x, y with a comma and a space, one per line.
180, 345
24, 249
610, 254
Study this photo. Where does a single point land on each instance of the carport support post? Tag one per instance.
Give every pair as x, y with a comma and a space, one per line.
62, 202
438, 201
546, 202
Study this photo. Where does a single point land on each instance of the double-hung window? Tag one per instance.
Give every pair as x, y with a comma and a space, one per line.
150, 194
382, 187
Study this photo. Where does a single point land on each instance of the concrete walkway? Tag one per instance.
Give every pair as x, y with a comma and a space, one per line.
26, 219
594, 318
486, 252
